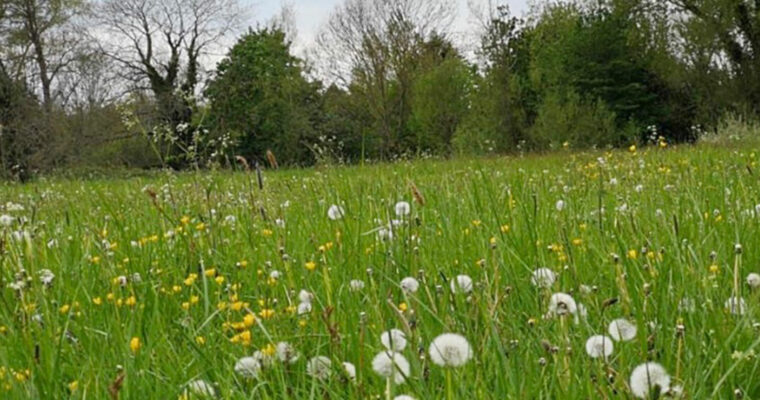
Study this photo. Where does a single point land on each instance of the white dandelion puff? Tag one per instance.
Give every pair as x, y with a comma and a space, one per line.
286, 353
46, 277
404, 397
6, 220
304, 308
248, 367
201, 388
319, 367
356, 285
686, 305
335, 212
410, 285
264, 359
622, 330
305, 296
390, 365
599, 346
385, 234
461, 284
736, 306
403, 208
646, 377
393, 340
350, 370
543, 278
562, 304
753, 280
560, 205
450, 350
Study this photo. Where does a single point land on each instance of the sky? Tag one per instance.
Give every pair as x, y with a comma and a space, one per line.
311, 14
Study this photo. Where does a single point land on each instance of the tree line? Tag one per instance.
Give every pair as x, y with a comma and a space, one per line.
138, 83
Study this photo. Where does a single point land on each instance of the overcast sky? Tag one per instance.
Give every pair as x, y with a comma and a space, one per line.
311, 14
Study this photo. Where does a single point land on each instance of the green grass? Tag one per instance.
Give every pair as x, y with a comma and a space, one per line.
495, 220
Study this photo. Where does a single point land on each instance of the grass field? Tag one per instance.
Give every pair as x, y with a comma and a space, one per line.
155, 287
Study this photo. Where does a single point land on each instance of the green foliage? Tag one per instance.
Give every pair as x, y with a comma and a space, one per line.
261, 95
441, 101
569, 119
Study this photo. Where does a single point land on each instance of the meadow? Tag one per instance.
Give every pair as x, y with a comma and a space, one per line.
560, 277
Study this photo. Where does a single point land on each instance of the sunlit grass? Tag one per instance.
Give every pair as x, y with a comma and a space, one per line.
167, 279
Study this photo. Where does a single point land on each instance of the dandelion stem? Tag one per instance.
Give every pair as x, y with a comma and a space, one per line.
449, 386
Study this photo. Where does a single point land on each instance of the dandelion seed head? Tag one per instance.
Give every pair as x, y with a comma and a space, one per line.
356, 285
319, 367
201, 388
305, 296
543, 278
393, 340
646, 377
350, 370
562, 304
303, 308
753, 280
461, 284
390, 365
622, 330
335, 212
736, 306
450, 350
248, 367
286, 353
403, 208
599, 346
410, 285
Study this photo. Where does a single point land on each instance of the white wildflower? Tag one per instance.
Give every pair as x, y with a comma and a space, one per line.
560, 205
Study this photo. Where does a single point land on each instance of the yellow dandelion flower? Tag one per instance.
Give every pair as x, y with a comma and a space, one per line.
135, 344
311, 265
